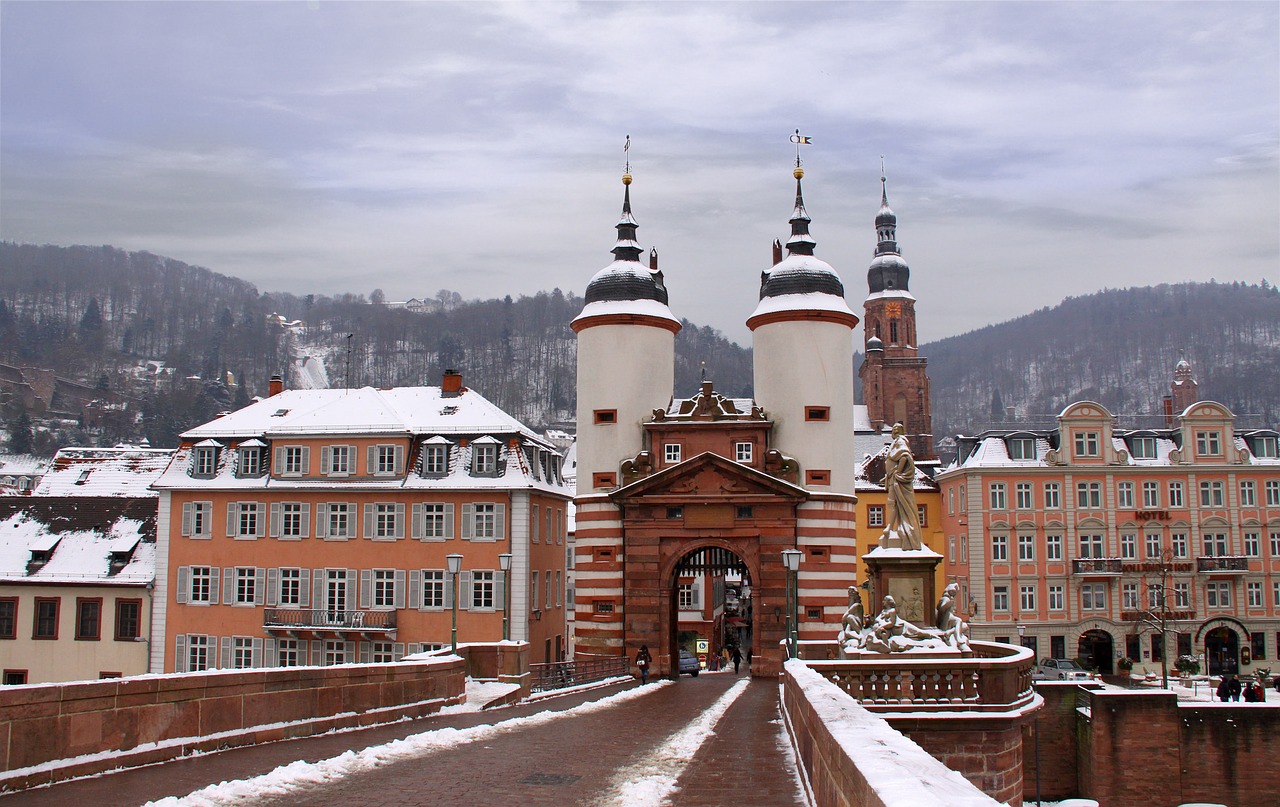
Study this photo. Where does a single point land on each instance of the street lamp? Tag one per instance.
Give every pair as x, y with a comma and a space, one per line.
504, 563
791, 560
1022, 632
454, 563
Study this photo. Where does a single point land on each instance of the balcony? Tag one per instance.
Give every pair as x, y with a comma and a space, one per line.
1095, 567
1223, 564
305, 623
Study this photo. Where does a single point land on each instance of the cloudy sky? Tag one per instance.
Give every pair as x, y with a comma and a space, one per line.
1034, 150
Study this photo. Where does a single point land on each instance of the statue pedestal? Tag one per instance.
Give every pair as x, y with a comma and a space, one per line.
908, 576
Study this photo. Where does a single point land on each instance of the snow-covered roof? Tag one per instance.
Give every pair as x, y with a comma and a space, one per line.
22, 465
127, 472
809, 301
83, 535
891, 294
869, 474
639, 308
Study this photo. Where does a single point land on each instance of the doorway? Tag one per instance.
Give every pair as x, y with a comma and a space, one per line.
709, 608
1222, 651
1096, 649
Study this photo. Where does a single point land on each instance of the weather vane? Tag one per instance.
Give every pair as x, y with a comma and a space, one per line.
626, 149
800, 140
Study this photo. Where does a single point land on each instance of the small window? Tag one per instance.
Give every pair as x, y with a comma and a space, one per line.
604, 479
605, 416
1264, 447
1142, 448
817, 477
602, 607
813, 613
15, 677
1022, 448
817, 413
1087, 444
435, 460
602, 555
1208, 444
875, 515
484, 459
745, 511
250, 461
742, 452
671, 452
675, 512
205, 462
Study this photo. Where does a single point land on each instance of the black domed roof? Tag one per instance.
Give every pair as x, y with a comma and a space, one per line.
626, 280
800, 274
874, 343
888, 272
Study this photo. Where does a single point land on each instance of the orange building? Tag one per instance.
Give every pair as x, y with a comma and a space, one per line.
1080, 538
314, 527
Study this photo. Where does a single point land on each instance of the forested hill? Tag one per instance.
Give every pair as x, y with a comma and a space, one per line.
1116, 347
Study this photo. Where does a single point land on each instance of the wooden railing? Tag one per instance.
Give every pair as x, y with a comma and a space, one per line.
996, 677
322, 619
581, 670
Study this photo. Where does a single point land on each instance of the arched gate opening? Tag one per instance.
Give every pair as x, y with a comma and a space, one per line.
709, 608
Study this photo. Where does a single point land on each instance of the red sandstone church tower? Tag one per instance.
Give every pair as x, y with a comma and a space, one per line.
895, 383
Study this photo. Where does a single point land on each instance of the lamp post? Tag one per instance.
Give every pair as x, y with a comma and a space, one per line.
454, 563
791, 560
1022, 633
504, 563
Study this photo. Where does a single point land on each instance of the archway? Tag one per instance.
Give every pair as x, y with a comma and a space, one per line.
1096, 648
1222, 651
708, 605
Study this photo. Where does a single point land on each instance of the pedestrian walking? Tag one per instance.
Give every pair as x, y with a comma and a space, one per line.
1235, 689
643, 660
1224, 688
737, 659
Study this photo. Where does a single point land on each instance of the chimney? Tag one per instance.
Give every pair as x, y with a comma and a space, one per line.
653, 260
451, 385
275, 386
777, 252
1168, 410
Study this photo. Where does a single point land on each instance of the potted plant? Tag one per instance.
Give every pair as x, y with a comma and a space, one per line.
1125, 664
1187, 666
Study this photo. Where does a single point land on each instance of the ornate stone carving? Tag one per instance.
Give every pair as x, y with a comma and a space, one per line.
890, 633
902, 519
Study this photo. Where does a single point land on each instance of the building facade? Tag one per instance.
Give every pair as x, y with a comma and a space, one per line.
315, 527
1104, 540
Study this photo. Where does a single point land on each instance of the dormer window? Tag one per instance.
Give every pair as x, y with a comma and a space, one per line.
1208, 444
435, 459
484, 458
204, 462
1264, 447
1142, 448
250, 461
1087, 444
1022, 448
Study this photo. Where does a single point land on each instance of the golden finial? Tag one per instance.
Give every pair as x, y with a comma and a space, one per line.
798, 173
626, 172
626, 179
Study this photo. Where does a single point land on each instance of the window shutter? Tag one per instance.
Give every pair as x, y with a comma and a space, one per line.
306, 460
273, 588
465, 596
352, 591
187, 509
304, 588
416, 527
261, 520
468, 516
398, 595
500, 516
233, 516
371, 467
257, 652
317, 593
225, 655
500, 591
415, 588
366, 589
270, 657
399, 459
353, 516
317, 652
275, 519
325, 462
322, 520
399, 527
397, 650
184, 584
279, 461
448, 591
306, 522
213, 585
365, 654
534, 522
368, 520
180, 653
448, 520
349, 652
228, 585
259, 586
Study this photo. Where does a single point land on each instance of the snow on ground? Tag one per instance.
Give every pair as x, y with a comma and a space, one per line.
650, 782
288, 779
480, 693
790, 760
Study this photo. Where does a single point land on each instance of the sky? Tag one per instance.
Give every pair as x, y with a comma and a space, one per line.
1033, 151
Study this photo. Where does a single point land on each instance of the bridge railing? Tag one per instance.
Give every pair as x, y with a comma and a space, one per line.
583, 669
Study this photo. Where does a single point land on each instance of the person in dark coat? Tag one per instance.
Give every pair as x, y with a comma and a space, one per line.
643, 660
737, 659
1224, 688
1235, 689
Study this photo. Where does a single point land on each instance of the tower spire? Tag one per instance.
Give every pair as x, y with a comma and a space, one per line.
627, 249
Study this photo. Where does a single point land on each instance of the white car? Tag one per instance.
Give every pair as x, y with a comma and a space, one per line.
1060, 669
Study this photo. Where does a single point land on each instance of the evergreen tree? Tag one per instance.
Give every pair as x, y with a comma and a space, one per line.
997, 406
22, 438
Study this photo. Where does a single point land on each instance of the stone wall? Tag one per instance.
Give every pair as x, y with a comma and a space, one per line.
91, 726
1143, 747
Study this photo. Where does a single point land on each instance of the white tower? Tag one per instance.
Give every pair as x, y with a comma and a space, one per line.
802, 337
626, 358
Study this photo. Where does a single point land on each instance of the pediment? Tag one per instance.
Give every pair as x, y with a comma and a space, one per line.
712, 477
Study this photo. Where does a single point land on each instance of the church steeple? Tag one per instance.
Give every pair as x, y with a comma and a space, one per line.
888, 270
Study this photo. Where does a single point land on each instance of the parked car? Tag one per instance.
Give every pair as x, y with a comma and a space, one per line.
1060, 669
689, 664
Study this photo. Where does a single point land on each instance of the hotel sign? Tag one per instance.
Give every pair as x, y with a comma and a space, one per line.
1151, 515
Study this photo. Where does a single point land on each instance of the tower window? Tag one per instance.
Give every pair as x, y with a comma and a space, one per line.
817, 477
893, 332
605, 479
817, 413
606, 416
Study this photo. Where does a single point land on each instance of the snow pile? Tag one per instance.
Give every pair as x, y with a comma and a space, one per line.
900, 772
288, 779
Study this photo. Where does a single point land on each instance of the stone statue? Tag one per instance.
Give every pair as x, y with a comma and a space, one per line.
891, 633
954, 629
852, 624
902, 519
